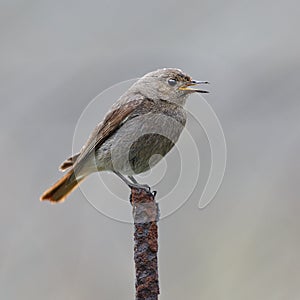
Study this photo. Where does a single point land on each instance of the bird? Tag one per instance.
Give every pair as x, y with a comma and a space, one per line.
141, 127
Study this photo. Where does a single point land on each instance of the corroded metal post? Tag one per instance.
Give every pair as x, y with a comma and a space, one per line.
146, 216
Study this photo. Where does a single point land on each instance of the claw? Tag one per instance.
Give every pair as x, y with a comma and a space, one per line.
144, 187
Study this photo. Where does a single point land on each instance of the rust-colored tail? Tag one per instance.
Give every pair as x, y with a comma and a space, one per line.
62, 188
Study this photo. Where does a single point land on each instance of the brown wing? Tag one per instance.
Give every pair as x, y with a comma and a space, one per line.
115, 118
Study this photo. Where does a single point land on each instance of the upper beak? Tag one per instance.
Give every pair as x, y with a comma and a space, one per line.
188, 86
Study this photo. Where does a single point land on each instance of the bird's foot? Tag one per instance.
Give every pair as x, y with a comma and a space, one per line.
139, 186
133, 184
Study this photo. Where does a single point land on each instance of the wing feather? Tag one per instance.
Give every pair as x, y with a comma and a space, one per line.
112, 121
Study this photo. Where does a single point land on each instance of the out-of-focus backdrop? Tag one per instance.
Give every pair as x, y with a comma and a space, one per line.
55, 56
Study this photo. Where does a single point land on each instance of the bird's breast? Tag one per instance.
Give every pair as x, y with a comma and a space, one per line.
145, 138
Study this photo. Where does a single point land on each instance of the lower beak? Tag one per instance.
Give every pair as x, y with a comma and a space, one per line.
189, 85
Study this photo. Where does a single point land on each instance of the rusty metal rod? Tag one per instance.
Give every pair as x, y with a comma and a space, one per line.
145, 215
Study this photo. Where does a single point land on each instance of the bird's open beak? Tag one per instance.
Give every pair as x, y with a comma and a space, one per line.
188, 86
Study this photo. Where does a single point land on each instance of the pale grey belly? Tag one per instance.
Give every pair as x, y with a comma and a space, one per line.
137, 142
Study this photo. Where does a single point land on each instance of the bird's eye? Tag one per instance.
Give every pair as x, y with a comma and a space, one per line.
172, 82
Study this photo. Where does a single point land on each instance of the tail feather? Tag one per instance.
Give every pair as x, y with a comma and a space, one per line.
62, 188
69, 162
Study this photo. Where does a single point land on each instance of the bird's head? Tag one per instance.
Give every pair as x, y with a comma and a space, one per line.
168, 84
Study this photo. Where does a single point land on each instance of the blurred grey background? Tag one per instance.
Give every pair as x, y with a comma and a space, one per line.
55, 56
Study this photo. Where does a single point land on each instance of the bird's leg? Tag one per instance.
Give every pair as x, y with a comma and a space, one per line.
145, 186
134, 183
132, 179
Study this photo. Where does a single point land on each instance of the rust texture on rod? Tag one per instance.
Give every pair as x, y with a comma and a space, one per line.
146, 216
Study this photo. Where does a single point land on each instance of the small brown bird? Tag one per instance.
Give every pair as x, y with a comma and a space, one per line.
146, 120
